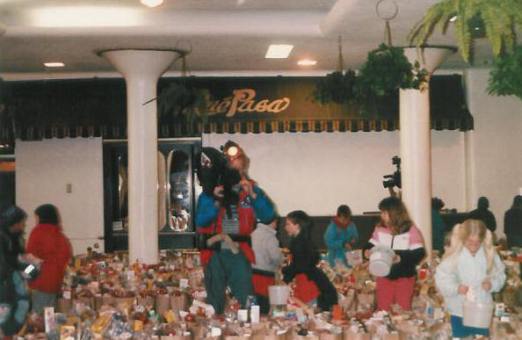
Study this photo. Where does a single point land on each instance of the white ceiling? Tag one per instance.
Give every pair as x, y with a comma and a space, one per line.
226, 36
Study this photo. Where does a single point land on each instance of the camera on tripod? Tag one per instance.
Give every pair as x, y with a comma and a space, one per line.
393, 180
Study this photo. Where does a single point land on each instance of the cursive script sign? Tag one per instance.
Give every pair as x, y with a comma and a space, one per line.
244, 100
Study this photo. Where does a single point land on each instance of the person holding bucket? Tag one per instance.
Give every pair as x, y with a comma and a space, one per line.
470, 271
396, 235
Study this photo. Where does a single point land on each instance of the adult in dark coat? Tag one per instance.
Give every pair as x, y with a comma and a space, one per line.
14, 299
311, 282
482, 213
513, 223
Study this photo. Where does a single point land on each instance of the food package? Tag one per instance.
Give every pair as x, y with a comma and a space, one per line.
101, 323
67, 332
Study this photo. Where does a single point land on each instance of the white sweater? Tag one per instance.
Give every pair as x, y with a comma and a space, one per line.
266, 248
471, 271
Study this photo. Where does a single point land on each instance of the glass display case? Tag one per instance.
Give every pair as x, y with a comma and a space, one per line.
177, 192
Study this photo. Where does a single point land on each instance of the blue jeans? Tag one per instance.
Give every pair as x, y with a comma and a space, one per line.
461, 331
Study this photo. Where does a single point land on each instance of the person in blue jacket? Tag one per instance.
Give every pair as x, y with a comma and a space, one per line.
340, 236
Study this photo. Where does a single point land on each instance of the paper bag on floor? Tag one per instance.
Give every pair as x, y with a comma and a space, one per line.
162, 303
179, 302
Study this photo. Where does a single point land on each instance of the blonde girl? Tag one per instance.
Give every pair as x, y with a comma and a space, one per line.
471, 268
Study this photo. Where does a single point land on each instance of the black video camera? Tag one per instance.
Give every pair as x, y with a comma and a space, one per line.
213, 170
393, 180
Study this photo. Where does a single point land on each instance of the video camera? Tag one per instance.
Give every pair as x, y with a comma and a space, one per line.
213, 170
393, 180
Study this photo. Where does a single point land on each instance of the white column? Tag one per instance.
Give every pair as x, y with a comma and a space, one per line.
415, 136
141, 69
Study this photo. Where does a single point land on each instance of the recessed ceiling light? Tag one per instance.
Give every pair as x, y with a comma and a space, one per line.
307, 62
453, 18
151, 3
54, 64
278, 51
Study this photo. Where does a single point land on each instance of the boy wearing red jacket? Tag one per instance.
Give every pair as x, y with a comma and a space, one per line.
48, 244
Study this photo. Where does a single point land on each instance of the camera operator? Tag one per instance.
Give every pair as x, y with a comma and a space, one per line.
226, 215
14, 299
394, 180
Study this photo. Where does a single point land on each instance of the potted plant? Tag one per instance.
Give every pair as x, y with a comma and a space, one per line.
336, 87
499, 20
181, 99
505, 78
385, 72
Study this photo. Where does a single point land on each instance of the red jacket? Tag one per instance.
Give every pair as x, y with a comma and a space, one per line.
48, 243
247, 221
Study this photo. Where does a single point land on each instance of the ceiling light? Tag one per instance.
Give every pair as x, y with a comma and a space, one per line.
85, 16
151, 3
54, 64
278, 51
453, 18
307, 62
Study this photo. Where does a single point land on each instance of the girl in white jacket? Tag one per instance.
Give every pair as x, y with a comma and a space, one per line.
470, 268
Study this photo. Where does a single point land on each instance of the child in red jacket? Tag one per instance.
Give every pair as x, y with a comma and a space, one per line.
48, 244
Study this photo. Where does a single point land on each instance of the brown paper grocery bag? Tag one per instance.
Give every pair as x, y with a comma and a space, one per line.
87, 301
325, 335
124, 304
108, 300
98, 302
292, 335
176, 337
146, 300
162, 303
349, 335
63, 305
179, 302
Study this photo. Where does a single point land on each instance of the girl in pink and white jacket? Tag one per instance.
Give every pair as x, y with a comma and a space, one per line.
397, 232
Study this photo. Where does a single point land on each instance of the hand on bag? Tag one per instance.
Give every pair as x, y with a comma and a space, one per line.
214, 239
30, 258
218, 191
247, 187
463, 289
234, 247
486, 285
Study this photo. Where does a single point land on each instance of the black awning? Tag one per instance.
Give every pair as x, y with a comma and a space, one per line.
97, 107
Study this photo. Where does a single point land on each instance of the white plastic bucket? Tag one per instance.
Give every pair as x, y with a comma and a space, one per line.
380, 261
278, 295
354, 257
477, 314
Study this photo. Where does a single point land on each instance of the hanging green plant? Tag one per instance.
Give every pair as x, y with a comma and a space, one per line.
181, 98
505, 78
336, 87
499, 19
386, 70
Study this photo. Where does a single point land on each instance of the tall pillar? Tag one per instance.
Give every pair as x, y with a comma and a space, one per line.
141, 70
415, 137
